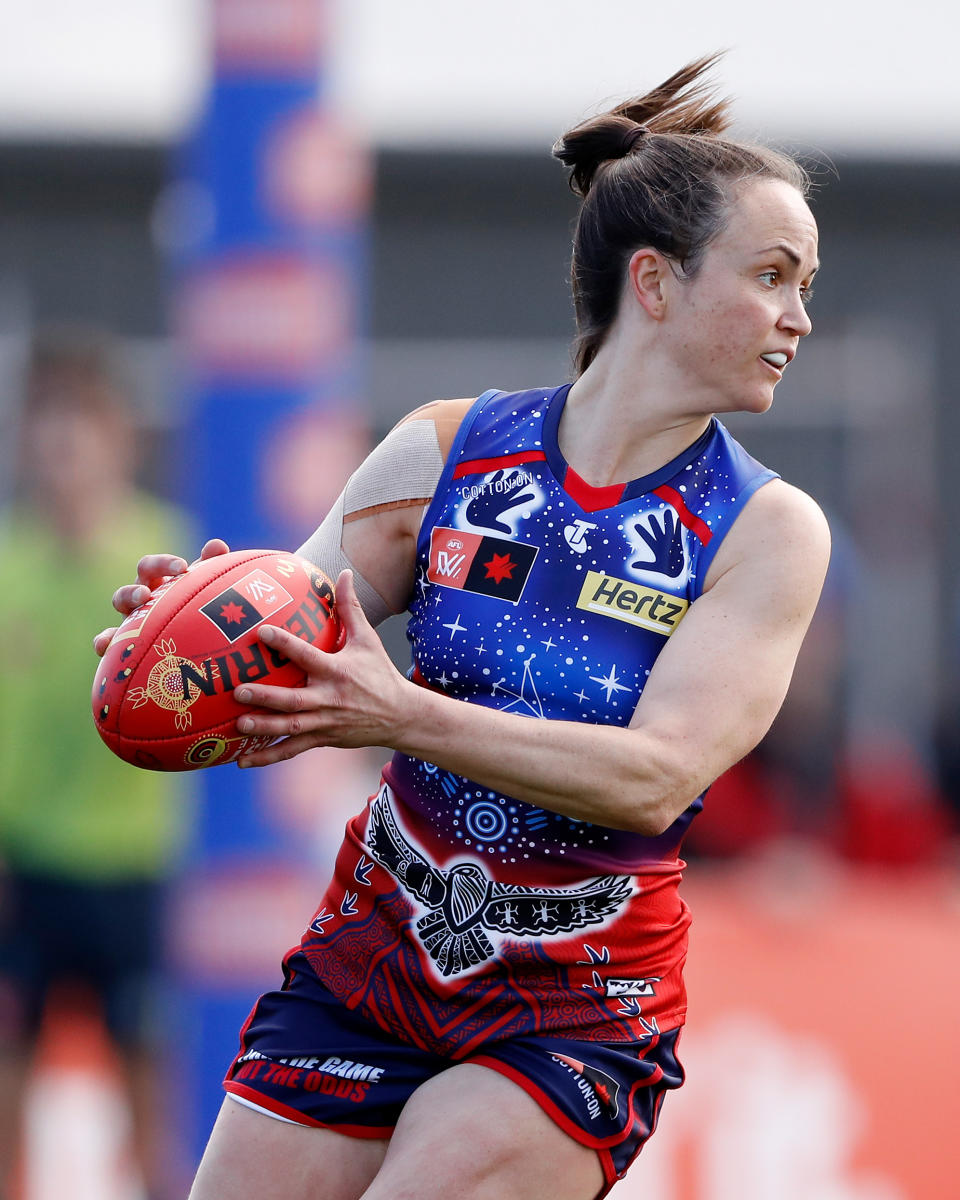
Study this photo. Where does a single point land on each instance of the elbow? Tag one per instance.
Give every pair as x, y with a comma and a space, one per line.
653, 821
661, 798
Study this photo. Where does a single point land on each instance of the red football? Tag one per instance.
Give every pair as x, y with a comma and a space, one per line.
163, 693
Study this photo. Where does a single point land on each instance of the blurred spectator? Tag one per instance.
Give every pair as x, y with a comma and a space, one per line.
891, 813
947, 734
86, 841
868, 798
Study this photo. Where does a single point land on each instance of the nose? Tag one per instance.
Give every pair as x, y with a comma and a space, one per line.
795, 316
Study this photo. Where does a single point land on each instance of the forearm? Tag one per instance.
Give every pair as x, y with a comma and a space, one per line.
621, 778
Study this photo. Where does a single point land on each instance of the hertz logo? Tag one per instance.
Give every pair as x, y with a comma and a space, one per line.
627, 601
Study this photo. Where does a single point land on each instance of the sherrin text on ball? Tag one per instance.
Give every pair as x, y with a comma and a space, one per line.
163, 694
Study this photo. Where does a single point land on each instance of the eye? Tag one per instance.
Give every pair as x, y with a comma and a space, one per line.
806, 295
771, 277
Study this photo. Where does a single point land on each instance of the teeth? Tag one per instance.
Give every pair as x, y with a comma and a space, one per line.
778, 359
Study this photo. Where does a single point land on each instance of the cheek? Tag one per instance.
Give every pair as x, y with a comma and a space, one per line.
742, 331
725, 339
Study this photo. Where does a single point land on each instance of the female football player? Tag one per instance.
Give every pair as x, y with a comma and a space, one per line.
607, 595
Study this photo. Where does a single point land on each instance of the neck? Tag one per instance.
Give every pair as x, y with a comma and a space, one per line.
625, 417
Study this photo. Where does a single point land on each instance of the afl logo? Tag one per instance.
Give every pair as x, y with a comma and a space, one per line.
454, 544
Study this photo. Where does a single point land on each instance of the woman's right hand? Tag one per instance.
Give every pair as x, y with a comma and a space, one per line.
152, 570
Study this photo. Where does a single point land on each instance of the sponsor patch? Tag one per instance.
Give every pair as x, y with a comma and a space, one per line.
628, 601
473, 562
632, 987
598, 1089
254, 598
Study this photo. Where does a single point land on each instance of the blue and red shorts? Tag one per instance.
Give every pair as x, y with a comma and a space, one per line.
307, 1058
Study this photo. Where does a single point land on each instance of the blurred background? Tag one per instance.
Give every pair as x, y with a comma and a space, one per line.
238, 240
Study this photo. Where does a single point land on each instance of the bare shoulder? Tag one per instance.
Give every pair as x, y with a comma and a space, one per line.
781, 535
439, 410
780, 512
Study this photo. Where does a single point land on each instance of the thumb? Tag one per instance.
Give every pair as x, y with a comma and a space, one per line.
352, 618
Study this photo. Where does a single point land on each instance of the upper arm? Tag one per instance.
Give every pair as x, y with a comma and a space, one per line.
373, 526
721, 678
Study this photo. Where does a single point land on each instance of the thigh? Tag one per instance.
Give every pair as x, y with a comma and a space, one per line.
472, 1133
251, 1154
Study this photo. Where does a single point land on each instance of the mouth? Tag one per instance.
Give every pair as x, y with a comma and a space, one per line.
777, 359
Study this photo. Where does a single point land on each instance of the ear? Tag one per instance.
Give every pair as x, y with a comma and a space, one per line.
647, 271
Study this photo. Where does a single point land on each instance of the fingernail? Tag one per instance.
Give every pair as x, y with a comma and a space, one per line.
245, 725
243, 695
268, 634
243, 762
139, 595
178, 566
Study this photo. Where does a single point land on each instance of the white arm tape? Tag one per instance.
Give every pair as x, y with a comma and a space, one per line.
405, 466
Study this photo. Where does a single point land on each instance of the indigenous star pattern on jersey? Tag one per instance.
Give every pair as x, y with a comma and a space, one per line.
458, 913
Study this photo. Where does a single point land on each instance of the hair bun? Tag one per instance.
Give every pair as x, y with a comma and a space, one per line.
600, 140
633, 137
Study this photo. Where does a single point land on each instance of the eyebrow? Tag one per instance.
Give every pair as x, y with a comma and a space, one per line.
791, 254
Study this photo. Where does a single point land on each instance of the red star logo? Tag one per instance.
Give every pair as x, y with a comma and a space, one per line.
499, 568
233, 612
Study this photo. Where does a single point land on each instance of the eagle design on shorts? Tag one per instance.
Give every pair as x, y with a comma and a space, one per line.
467, 903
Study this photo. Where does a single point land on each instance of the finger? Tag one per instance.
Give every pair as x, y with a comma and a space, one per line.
129, 597
296, 649
289, 748
277, 699
103, 640
284, 723
152, 569
349, 609
213, 547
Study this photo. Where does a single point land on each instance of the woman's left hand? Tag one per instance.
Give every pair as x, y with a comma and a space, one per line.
354, 696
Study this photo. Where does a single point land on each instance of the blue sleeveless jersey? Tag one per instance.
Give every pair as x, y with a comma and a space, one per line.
545, 597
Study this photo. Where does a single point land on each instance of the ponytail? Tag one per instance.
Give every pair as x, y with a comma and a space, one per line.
654, 171
681, 104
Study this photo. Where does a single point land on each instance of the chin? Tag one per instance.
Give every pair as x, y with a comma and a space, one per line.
759, 402
749, 404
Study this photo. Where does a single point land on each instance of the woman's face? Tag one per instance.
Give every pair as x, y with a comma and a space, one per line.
736, 324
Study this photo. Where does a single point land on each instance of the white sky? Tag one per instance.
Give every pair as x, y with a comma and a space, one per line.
831, 74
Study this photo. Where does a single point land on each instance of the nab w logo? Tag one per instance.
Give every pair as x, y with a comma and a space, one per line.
252, 599
449, 565
256, 589
472, 562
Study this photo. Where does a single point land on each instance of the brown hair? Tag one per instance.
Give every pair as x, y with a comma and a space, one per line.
654, 171
74, 367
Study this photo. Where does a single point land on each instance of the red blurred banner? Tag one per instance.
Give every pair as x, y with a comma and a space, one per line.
823, 1044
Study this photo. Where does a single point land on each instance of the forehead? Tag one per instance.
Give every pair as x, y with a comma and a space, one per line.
769, 212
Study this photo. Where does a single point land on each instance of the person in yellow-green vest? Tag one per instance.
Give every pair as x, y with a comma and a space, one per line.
86, 841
